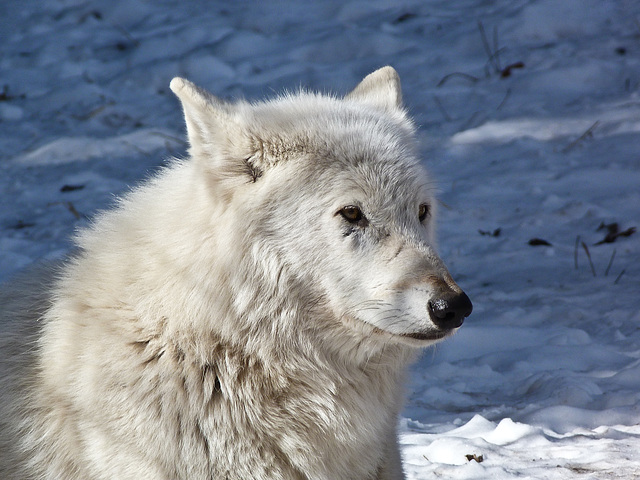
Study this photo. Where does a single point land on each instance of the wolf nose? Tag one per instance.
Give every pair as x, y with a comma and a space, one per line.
450, 310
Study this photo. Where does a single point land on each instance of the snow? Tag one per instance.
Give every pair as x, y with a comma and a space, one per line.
78, 149
543, 380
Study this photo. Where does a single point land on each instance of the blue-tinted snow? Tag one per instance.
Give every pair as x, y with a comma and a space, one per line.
543, 381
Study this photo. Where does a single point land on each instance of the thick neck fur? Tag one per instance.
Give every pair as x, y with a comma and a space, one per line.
209, 278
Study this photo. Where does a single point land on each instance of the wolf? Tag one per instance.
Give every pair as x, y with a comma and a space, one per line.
248, 313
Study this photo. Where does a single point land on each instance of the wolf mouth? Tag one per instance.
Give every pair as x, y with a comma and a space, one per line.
432, 336
428, 336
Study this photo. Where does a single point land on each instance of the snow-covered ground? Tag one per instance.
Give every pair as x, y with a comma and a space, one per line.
530, 115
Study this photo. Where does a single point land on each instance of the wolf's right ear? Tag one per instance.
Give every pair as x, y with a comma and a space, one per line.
218, 143
380, 89
204, 114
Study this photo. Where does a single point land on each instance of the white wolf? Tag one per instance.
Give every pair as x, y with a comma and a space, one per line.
247, 314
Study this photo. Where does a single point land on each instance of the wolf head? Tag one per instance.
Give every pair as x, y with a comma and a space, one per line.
329, 193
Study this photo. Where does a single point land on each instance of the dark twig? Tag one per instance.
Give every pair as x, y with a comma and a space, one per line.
72, 209
613, 255
585, 135
586, 249
575, 252
457, 74
504, 100
171, 137
69, 206
487, 47
446, 116
615, 282
126, 34
496, 50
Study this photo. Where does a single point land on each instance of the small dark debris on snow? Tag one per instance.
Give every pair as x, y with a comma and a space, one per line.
71, 188
404, 17
581, 470
495, 233
4, 94
477, 458
506, 71
613, 232
535, 242
20, 225
621, 51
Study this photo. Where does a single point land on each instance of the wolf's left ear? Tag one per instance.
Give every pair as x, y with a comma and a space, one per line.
380, 89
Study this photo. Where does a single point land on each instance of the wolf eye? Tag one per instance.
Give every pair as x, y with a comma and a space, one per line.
423, 212
351, 214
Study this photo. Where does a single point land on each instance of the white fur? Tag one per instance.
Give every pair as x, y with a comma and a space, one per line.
225, 321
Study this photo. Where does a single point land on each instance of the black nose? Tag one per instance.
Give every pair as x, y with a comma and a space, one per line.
450, 309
